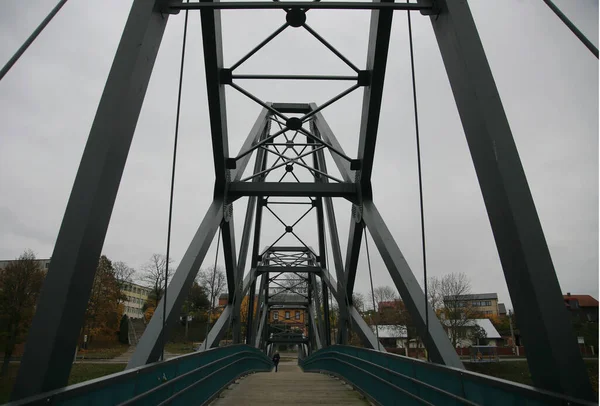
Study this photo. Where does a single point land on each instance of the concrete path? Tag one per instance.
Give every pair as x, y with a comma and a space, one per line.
289, 386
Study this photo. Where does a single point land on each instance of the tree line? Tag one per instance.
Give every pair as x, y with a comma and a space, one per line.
21, 282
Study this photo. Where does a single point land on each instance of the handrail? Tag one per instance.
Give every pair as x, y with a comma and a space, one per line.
428, 386
189, 373
163, 382
422, 381
167, 401
381, 380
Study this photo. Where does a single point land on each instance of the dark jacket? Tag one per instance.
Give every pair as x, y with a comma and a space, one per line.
276, 358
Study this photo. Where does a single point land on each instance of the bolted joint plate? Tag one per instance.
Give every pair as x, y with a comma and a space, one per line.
357, 211
227, 212
434, 7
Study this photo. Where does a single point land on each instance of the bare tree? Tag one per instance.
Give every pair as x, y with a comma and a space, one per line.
293, 282
383, 294
153, 273
455, 306
123, 273
434, 296
214, 281
358, 299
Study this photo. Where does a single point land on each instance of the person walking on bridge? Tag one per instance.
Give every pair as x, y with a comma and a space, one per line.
276, 360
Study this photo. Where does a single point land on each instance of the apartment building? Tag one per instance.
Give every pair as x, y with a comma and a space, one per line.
485, 304
43, 263
136, 295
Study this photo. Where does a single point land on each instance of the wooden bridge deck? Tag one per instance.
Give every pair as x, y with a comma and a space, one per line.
289, 386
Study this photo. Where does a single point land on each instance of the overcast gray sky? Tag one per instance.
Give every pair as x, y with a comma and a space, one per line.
548, 82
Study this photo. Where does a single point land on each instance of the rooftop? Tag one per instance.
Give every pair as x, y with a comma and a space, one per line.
485, 324
583, 300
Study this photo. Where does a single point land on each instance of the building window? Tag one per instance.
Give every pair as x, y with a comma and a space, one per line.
275, 315
297, 315
287, 315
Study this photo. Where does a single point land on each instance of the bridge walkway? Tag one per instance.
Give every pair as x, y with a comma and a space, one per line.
289, 386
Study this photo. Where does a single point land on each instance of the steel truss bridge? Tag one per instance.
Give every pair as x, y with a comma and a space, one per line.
287, 147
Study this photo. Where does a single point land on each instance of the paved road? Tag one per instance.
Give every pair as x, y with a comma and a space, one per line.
289, 386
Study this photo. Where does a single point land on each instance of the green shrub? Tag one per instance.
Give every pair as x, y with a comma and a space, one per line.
124, 330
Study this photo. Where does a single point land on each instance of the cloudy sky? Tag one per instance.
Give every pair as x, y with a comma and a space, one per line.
548, 82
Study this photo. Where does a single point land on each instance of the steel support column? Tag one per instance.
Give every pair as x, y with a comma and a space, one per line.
552, 352
213, 63
327, 322
260, 312
366, 334
317, 304
217, 331
149, 348
355, 233
436, 340
250, 318
53, 335
342, 299
314, 328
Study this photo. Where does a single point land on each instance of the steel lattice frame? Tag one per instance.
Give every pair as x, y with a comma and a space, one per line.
552, 351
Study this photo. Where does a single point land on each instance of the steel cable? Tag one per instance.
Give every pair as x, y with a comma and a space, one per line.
31, 38
414, 87
372, 290
173, 182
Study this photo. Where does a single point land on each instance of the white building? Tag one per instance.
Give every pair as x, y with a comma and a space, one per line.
465, 337
136, 295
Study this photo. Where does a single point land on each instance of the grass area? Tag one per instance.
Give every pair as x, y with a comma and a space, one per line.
179, 348
103, 353
79, 373
518, 371
85, 372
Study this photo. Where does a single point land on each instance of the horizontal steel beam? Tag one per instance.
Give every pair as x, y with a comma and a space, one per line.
283, 341
232, 5
283, 248
307, 269
278, 325
304, 303
292, 107
292, 189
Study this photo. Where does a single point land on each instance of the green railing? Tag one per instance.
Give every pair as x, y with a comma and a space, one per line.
189, 379
390, 379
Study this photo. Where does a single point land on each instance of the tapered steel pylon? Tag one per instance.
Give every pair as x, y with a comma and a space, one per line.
296, 137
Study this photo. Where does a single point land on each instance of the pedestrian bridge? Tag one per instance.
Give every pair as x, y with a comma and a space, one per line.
336, 375
291, 146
